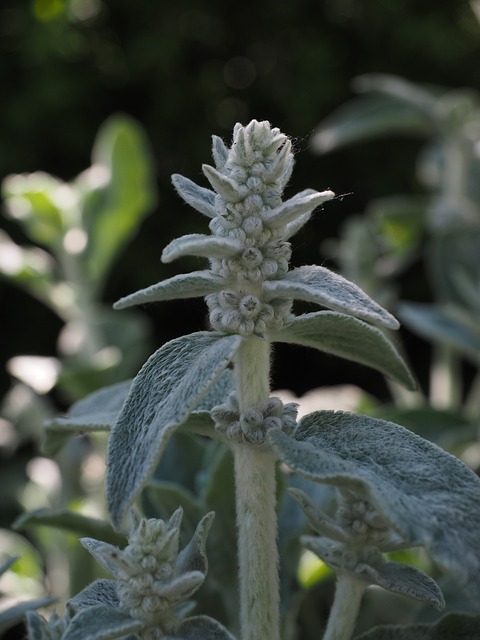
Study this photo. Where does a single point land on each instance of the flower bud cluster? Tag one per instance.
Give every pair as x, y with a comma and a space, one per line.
150, 579
258, 165
147, 564
363, 523
236, 311
252, 425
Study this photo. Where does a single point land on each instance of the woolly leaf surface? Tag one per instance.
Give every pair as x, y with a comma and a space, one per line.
219, 152
193, 557
429, 497
203, 246
103, 553
225, 186
184, 285
350, 338
324, 287
101, 622
199, 198
98, 592
168, 387
300, 204
404, 579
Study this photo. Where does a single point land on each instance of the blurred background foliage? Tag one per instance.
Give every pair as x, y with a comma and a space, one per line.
144, 85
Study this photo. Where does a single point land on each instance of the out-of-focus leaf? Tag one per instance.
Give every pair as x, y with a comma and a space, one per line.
445, 325
118, 191
367, 117
400, 221
454, 626
69, 521
30, 268
96, 412
13, 615
451, 254
42, 204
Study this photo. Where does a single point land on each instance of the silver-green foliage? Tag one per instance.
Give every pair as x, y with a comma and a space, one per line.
396, 490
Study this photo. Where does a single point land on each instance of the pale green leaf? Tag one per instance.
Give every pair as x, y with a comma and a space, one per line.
113, 209
347, 337
184, 285
6, 564
329, 289
32, 199
168, 387
196, 244
199, 198
429, 497
101, 622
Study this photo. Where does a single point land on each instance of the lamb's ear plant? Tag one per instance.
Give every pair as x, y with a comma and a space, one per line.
394, 489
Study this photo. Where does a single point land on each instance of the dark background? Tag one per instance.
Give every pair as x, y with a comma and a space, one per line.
187, 69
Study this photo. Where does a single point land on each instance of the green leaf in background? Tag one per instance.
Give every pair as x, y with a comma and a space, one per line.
454, 267
367, 117
400, 220
443, 324
349, 338
164, 393
69, 521
118, 191
429, 497
96, 412
42, 204
454, 626
30, 268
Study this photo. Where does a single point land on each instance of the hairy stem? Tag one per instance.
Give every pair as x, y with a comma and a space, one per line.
256, 513
348, 596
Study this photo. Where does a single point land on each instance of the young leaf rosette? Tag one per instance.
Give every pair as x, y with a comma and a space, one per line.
152, 586
396, 490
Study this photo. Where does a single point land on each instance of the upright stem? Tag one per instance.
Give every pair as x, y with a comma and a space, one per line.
343, 615
256, 513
